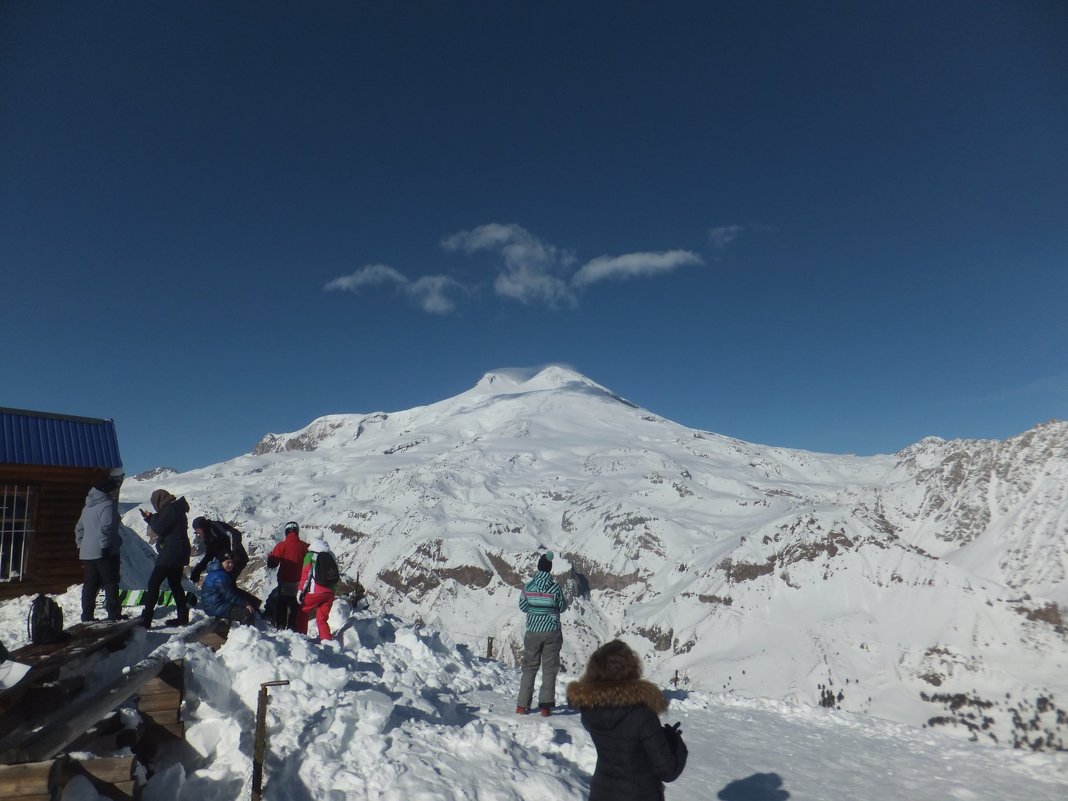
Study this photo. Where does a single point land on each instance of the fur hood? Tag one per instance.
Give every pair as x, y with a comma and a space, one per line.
610, 694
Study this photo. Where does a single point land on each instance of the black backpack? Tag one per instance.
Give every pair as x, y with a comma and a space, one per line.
326, 570
45, 621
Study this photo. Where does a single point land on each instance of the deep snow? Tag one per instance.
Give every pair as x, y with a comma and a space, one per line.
391, 711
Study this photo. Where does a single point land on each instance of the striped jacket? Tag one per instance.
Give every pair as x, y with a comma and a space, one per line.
543, 601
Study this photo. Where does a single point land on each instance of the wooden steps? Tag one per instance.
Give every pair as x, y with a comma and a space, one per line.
111, 777
43, 714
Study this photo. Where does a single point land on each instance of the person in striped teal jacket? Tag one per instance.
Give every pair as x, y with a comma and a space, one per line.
543, 601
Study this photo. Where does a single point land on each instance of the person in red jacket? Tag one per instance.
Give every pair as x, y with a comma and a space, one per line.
288, 557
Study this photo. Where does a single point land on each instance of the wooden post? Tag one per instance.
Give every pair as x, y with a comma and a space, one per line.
260, 745
489, 648
675, 680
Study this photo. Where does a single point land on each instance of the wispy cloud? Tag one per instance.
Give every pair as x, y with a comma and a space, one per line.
431, 292
723, 235
371, 275
531, 270
631, 265
532, 267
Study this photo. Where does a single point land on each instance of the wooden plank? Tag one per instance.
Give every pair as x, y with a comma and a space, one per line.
160, 700
107, 769
159, 709
213, 640
31, 778
81, 639
111, 777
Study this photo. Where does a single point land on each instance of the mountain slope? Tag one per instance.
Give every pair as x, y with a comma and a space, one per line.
911, 586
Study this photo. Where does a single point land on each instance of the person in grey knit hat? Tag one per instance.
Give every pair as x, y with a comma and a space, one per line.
543, 601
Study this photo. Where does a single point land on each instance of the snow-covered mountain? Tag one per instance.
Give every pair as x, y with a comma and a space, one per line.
924, 587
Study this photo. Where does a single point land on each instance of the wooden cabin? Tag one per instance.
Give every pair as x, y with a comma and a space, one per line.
48, 462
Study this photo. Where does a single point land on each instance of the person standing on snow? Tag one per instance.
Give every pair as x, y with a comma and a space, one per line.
543, 601
170, 523
621, 711
317, 584
288, 557
97, 536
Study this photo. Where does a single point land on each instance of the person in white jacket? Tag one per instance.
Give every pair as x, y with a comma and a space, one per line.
97, 535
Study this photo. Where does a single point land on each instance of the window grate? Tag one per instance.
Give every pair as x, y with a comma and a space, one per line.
16, 530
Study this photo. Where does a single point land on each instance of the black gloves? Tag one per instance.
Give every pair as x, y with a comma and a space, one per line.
673, 734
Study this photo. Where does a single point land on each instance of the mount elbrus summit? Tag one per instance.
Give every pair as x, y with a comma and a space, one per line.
925, 586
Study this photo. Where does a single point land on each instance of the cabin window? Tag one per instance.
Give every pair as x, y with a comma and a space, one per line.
16, 529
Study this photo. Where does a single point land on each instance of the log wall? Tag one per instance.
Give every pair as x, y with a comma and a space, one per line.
52, 555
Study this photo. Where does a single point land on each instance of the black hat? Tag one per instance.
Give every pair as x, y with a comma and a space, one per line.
201, 523
292, 526
106, 485
545, 562
224, 556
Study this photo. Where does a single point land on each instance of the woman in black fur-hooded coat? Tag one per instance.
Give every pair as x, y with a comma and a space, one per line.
621, 711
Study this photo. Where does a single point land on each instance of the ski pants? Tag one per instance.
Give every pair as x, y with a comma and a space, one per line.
321, 603
103, 572
541, 649
173, 577
291, 616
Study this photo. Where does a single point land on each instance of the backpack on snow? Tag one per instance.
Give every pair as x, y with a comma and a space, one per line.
44, 625
325, 570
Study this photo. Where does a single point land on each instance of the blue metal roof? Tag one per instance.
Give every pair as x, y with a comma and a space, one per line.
57, 440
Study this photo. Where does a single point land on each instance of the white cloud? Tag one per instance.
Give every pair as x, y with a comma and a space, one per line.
532, 267
430, 293
630, 265
370, 275
725, 234
534, 286
531, 270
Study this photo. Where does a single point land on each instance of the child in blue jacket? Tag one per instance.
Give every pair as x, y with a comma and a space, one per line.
221, 598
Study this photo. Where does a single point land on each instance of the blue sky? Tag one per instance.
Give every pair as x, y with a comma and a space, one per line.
832, 226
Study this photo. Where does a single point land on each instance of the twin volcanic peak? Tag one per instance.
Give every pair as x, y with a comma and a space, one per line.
924, 586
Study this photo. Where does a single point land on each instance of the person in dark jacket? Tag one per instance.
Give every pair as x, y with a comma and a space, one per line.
170, 523
97, 536
221, 597
218, 538
543, 601
621, 711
